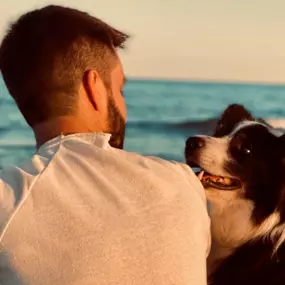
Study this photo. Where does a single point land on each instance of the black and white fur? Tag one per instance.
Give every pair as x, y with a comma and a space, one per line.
248, 224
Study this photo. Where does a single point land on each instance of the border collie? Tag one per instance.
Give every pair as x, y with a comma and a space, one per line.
243, 173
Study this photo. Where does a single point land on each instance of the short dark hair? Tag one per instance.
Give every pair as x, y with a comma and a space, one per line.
44, 56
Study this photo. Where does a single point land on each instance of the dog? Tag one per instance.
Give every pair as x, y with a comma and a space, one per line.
243, 173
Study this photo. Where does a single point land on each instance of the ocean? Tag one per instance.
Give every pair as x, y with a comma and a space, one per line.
161, 115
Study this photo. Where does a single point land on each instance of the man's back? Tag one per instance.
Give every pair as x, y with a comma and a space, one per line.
85, 213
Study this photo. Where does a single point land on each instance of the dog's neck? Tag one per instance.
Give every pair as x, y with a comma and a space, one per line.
217, 254
227, 230
269, 228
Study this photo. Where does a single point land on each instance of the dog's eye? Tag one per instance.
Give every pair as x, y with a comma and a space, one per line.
246, 150
221, 126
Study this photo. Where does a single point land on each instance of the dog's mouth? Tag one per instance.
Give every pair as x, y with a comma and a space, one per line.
218, 182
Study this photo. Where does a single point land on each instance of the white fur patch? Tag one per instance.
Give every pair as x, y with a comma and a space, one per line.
274, 131
278, 231
214, 155
231, 217
243, 125
231, 224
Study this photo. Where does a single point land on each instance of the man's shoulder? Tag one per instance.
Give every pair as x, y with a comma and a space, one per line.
155, 163
137, 157
15, 183
177, 166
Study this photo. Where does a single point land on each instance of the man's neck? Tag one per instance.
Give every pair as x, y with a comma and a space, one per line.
50, 129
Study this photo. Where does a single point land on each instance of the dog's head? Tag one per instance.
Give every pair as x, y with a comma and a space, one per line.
243, 172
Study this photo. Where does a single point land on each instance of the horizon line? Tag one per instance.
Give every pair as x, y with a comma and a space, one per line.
197, 81
204, 81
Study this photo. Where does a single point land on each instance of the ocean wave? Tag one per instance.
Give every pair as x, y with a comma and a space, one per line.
205, 127
183, 124
275, 122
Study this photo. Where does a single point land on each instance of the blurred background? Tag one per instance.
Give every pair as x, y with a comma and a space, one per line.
185, 62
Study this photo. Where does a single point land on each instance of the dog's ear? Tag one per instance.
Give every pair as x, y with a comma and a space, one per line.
232, 115
281, 146
282, 142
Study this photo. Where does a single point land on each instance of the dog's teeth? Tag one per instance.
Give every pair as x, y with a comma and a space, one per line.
200, 175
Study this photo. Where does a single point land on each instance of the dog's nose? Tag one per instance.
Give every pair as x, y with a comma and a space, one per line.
195, 142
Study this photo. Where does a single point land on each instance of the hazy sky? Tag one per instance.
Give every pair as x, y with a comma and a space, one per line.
240, 40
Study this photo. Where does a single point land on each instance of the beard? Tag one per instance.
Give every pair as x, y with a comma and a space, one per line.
117, 125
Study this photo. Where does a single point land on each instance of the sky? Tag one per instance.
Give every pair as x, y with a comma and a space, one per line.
221, 40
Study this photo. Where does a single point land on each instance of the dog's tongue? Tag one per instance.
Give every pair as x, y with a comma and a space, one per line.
204, 177
218, 182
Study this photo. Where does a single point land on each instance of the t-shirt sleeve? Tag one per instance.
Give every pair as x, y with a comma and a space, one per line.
11, 194
7, 203
192, 179
197, 186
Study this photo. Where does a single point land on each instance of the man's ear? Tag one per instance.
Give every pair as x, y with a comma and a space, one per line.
89, 83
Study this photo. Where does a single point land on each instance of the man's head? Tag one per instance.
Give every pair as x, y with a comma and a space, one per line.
62, 63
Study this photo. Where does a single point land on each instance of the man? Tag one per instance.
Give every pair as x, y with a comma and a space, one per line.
83, 211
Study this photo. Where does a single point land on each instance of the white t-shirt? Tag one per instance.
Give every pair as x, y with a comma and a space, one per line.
81, 213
